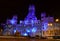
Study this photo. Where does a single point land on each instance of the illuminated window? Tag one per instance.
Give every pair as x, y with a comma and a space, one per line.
50, 24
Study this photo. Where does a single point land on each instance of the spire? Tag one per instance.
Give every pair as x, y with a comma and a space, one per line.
31, 13
31, 9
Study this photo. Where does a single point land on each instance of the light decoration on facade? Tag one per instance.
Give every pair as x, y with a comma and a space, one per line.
32, 21
31, 13
28, 30
21, 21
34, 29
25, 34
14, 31
45, 26
31, 18
26, 21
12, 21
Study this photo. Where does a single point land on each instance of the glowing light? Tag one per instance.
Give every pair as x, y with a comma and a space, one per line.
57, 20
12, 21
50, 24
34, 30
14, 31
25, 34
21, 21
28, 30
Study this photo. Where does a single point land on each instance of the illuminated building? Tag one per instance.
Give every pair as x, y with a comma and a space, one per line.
31, 25
47, 24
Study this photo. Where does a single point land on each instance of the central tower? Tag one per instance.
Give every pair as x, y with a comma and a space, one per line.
31, 13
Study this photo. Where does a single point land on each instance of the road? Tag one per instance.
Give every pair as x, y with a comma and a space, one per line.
20, 39
24, 39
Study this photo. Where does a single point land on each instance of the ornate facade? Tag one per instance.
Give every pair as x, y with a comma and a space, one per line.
30, 25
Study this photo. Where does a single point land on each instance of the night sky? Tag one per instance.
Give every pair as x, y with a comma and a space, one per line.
10, 8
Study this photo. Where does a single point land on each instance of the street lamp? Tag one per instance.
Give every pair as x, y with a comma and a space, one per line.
57, 20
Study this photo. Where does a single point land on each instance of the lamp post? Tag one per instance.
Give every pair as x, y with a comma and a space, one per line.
57, 20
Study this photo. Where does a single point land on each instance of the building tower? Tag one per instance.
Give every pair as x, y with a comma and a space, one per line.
43, 15
14, 20
10, 26
31, 13
43, 20
30, 20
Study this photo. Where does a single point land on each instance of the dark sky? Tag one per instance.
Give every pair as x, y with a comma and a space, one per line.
10, 8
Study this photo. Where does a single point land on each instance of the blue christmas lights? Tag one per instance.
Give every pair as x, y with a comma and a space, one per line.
31, 22
26, 21
25, 34
14, 31
12, 21
21, 21
45, 26
34, 29
31, 13
28, 30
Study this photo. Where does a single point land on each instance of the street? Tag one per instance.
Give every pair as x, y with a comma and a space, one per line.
25, 39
